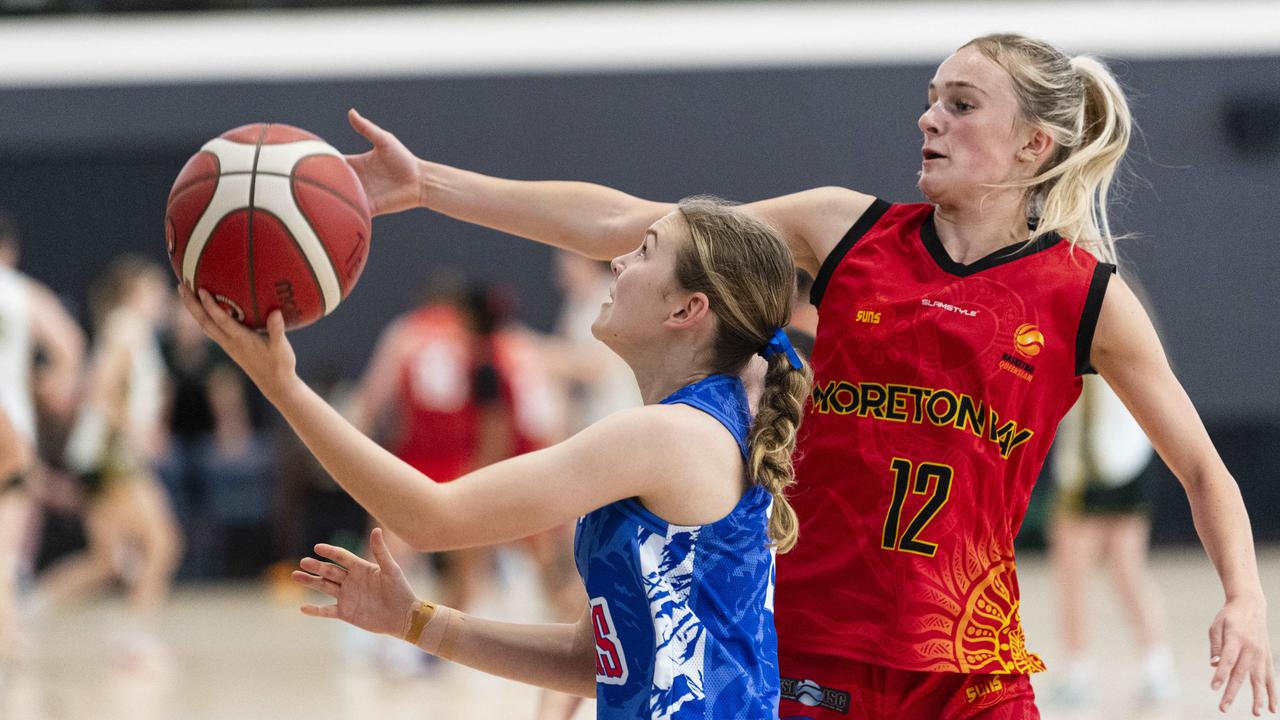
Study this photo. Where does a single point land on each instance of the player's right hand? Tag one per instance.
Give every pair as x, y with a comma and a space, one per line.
391, 175
268, 361
1239, 653
373, 596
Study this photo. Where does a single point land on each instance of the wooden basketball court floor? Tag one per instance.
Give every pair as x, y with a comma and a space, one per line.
243, 652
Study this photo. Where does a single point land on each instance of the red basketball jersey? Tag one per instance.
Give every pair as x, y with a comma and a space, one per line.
439, 421
938, 388
535, 403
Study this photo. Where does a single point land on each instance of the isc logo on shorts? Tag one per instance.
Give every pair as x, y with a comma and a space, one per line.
611, 663
810, 694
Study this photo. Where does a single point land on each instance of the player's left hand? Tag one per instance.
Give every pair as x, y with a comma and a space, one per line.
268, 361
1239, 651
373, 596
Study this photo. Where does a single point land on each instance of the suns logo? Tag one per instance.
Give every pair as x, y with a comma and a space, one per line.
1028, 340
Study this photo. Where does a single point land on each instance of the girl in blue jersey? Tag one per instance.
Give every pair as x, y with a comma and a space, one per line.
680, 502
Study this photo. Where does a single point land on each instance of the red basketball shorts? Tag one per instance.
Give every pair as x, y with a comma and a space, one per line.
826, 688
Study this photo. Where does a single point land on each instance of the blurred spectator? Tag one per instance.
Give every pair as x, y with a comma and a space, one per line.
217, 467
599, 382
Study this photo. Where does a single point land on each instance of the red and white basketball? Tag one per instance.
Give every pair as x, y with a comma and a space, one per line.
265, 217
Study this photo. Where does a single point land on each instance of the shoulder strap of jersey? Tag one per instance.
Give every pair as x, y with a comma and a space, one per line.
865, 222
724, 398
1102, 273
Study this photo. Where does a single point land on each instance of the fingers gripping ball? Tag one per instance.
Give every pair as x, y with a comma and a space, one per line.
265, 217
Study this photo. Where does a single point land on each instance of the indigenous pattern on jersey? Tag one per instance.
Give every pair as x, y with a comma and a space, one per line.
938, 388
683, 615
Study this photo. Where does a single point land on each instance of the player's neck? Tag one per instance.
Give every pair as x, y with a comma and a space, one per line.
969, 232
660, 377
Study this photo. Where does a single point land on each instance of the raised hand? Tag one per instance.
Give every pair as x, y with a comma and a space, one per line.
268, 361
389, 172
1239, 652
373, 596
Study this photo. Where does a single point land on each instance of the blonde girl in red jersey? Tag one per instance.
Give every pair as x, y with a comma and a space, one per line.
1015, 133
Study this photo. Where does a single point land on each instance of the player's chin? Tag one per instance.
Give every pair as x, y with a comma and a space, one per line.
598, 326
930, 185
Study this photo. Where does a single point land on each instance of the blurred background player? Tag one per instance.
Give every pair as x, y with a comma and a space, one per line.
216, 464
1102, 510
599, 383
31, 320
117, 438
438, 368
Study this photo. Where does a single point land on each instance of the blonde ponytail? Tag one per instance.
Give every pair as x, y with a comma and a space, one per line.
1080, 104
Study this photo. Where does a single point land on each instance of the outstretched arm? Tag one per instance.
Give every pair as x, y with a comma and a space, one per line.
1126, 352
378, 384
588, 219
375, 596
506, 501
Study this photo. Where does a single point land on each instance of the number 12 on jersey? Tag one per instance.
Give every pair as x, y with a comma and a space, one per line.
918, 479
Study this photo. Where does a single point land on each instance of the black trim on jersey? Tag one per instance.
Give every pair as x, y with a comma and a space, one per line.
865, 222
1089, 318
1009, 253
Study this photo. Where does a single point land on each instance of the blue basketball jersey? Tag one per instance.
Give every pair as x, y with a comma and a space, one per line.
683, 615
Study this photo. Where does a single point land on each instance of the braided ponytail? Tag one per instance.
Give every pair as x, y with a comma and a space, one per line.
773, 440
748, 276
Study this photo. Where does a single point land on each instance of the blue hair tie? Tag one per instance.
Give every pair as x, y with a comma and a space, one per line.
780, 343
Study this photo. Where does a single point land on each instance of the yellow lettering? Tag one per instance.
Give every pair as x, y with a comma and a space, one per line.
896, 397
943, 417
921, 396
971, 414
906, 403
872, 401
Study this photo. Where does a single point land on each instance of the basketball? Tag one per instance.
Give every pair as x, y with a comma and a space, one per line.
266, 217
